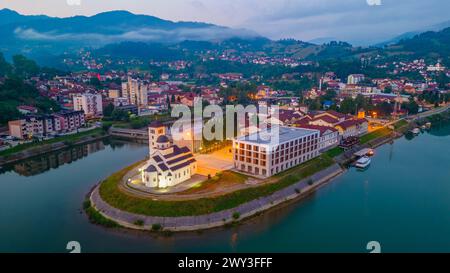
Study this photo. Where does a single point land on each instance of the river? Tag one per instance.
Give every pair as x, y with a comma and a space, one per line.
402, 201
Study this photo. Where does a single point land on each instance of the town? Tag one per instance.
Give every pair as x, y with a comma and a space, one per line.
351, 106
224, 127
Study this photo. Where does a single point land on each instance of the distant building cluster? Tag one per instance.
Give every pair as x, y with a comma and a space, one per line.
34, 125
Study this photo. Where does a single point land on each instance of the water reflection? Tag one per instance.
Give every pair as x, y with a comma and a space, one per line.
440, 129
44, 163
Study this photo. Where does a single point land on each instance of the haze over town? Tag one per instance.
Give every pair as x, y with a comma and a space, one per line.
360, 22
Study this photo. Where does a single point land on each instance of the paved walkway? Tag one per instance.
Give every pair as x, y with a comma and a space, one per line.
214, 162
215, 219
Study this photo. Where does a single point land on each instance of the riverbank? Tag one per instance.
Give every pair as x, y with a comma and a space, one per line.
134, 213
295, 191
25, 151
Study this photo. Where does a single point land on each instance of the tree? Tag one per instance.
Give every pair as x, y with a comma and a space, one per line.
329, 95
361, 102
387, 89
107, 112
5, 67
348, 106
14, 92
120, 115
95, 82
412, 107
25, 67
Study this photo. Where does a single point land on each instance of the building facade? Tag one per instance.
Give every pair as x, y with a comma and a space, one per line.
168, 164
136, 91
264, 158
91, 104
44, 125
329, 136
355, 78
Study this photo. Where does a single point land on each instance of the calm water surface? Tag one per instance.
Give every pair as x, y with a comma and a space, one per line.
402, 201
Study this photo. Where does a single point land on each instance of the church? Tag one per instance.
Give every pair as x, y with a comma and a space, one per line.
168, 164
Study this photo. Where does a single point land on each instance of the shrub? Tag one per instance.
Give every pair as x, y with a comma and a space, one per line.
96, 217
298, 191
236, 215
156, 227
139, 222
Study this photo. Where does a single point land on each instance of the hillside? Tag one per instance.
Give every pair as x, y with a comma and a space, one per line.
14, 91
39, 35
426, 45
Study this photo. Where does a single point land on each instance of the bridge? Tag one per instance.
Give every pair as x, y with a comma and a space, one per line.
135, 134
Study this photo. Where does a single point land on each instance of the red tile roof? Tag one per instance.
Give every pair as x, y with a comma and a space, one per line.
322, 129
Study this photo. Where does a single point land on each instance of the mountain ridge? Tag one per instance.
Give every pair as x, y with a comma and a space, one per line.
33, 33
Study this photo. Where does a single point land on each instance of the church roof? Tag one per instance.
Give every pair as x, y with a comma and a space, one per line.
162, 139
178, 159
178, 151
182, 165
157, 158
163, 167
151, 169
156, 124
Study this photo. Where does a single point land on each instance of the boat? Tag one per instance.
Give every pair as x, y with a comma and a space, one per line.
363, 162
428, 124
416, 131
371, 152
364, 152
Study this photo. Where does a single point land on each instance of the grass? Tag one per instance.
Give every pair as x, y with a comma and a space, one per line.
375, 134
382, 132
140, 121
334, 152
400, 124
68, 139
111, 194
219, 181
96, 217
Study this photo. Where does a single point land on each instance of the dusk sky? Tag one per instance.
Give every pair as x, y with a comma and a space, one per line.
356, 21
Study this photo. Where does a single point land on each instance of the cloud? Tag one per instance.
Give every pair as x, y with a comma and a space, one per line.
142, 35
353, 20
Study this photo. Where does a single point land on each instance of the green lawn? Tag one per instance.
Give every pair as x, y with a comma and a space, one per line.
110, 193
382, 132
375, 134
69, 138
334, 152
139, 122
400, 124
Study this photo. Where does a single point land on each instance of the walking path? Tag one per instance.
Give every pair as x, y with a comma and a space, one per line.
216, 219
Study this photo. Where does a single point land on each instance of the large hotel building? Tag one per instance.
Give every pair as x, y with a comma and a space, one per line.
256, 156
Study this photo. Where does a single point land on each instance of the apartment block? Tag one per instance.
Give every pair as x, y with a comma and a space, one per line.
256, 156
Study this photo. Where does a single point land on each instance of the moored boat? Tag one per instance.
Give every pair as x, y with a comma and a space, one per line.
416, 131
363, 162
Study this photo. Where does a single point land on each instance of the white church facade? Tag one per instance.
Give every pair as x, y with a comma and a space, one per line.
168, 164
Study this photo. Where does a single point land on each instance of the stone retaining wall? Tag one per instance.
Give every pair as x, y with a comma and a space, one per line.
216, 219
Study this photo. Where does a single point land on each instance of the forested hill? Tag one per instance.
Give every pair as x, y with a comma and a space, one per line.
427, 44
14, 91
